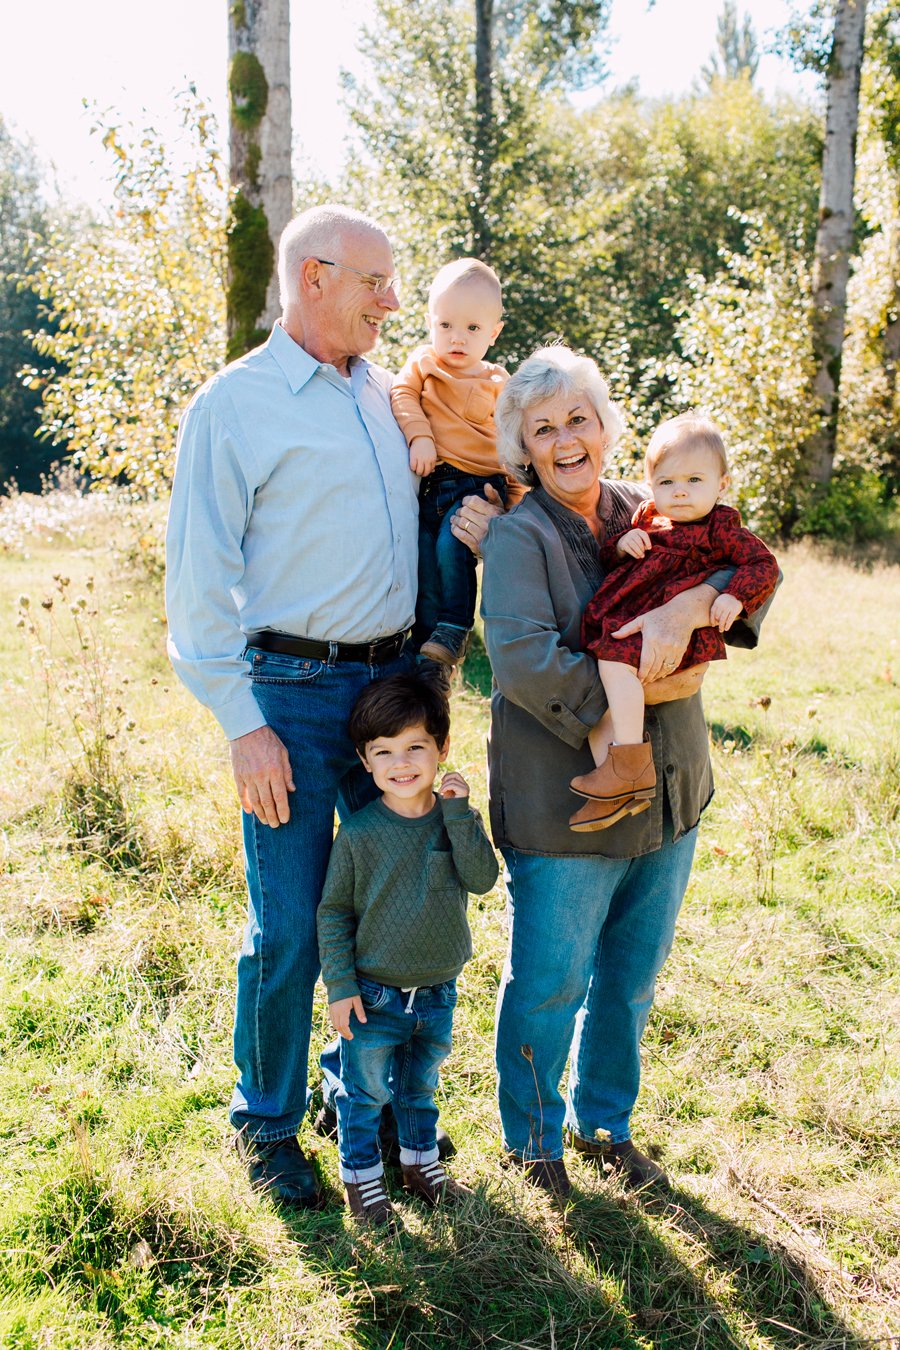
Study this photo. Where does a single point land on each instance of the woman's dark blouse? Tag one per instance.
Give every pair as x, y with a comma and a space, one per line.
547, 694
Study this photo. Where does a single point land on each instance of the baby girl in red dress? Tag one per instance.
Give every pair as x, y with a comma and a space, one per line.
678, 539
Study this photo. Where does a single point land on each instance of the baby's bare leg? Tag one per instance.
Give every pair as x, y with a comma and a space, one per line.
599, 738
625, 695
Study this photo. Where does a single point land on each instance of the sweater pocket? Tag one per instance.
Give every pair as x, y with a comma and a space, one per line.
441, 874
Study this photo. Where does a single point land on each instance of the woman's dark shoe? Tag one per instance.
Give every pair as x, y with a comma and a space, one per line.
623, 1160
280, 1169
549, 1174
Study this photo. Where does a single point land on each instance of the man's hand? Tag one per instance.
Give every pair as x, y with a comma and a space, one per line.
635, 544
666, 631
724, 611
422, 455
262, 772
470, 523
340, 1011
453, 785
680, 685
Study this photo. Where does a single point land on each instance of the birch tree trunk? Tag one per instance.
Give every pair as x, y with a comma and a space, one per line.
835, 232
259, 89
484, 142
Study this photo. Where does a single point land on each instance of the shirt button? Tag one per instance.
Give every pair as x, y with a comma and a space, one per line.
670, 768
556, 707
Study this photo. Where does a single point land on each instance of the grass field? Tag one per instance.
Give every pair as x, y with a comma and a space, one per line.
771, 1062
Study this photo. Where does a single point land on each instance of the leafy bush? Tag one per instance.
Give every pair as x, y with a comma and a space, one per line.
852, 508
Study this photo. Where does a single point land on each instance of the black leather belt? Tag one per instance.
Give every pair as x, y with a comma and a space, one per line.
369, 653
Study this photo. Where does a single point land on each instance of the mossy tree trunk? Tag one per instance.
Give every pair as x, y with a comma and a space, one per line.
834, 237
259, 101
484, 141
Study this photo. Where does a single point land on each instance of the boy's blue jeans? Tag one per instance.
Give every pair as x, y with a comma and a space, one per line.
447, 585
307, 703
394, 1057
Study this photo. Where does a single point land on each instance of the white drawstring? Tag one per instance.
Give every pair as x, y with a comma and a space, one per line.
412, 993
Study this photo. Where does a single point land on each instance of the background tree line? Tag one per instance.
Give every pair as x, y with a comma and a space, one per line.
673, 239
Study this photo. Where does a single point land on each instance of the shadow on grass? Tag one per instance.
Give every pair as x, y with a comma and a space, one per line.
476, 671
739, 736
607, 1272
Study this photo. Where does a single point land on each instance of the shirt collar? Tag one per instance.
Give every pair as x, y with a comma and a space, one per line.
299, 367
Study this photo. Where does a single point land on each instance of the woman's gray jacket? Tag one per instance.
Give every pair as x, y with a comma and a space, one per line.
547, 695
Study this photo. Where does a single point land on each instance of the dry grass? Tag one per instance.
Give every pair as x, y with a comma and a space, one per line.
771, 1061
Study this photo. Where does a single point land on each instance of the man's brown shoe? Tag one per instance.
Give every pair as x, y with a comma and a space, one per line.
627, 771
429, 1182
549, 1174
623, 1160
370, 1203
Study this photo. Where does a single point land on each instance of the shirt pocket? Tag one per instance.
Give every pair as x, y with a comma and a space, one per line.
479, 406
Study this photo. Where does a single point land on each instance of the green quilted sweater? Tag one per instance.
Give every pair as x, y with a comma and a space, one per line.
394, 904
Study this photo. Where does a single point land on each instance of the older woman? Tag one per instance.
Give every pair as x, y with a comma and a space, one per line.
592, 915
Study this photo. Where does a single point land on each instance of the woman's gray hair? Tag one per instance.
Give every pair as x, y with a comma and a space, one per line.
547, 372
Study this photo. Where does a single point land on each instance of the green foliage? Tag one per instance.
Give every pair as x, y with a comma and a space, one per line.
736, 55
419, 129
248, 89
674, 186
747, 360
23, 223
134, 305
851, 509
251, 257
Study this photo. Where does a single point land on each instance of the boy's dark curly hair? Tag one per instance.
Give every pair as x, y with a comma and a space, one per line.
387, 707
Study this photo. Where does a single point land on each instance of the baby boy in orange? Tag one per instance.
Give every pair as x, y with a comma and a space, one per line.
443, 400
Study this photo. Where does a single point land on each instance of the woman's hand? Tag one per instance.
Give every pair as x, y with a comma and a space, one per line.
470, 523
666, 631
680, 685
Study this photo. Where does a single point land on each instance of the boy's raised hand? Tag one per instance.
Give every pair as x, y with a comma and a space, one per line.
422, 456
723, 611
635, 543
340, 1011
453, 785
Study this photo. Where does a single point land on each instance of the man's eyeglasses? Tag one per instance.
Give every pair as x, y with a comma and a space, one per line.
380, 285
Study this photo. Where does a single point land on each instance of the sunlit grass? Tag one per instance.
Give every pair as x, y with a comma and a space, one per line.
771, 1078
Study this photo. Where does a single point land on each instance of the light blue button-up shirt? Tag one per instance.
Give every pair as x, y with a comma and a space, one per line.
293, 508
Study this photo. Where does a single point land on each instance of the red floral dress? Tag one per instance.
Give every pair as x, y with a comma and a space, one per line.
683, 555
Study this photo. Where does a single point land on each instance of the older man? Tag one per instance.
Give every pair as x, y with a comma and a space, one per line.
291, 583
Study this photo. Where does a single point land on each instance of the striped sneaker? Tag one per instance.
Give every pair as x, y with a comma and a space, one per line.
370, 1203
429, 1182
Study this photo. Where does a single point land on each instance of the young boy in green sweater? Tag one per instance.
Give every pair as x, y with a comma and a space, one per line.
393, 936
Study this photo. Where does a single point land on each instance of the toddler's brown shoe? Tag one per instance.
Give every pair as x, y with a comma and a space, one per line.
370, 1203
430, 1183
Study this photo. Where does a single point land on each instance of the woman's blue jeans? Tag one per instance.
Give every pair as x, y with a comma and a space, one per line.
307, 703
395, 1056
588, 937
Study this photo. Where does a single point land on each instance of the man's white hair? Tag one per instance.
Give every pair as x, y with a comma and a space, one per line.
317, 232
547, 372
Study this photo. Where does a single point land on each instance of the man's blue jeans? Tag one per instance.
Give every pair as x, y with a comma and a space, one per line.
447, 583
307, 703
588, 937
394, 1057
